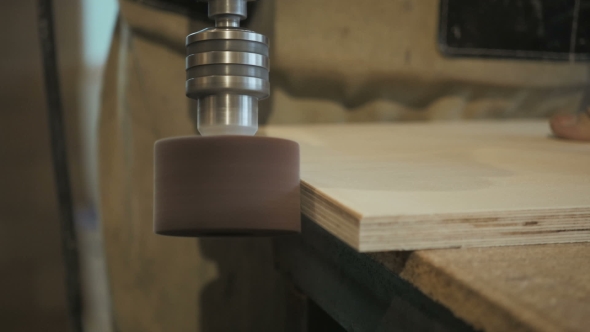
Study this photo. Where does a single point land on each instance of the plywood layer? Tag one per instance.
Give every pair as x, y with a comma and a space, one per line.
439, 185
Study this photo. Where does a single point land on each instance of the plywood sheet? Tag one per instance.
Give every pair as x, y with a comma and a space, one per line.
438, 185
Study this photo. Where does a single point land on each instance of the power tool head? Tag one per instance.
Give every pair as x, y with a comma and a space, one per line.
227, 73
227, 182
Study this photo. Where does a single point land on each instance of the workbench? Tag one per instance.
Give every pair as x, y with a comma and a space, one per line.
340, 282
525, 288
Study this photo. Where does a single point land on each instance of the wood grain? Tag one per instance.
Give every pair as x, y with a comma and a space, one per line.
385, 187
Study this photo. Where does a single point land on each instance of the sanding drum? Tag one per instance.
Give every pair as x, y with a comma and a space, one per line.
226, 185
226, 182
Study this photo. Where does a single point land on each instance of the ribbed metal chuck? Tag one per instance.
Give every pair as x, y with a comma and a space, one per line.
227, 72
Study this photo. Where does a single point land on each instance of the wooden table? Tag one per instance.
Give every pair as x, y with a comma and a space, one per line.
469, 284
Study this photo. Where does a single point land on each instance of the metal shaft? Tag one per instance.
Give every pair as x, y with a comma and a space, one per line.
223, 113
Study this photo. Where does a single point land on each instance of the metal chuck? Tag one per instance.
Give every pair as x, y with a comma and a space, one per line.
227, 72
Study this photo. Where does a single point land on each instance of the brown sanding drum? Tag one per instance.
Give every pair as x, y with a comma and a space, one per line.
226, 185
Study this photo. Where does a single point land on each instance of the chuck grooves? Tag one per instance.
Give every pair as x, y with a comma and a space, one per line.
227, 72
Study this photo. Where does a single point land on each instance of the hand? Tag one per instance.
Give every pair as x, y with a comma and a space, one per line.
571, 126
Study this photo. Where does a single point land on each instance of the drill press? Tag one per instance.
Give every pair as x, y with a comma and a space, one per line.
226, 182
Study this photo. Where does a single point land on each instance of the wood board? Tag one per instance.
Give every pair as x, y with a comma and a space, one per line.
530, 288
382, 187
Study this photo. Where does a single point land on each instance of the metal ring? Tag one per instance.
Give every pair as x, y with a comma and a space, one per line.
225, 33
208, 85
227, 70
227, 57
231, 45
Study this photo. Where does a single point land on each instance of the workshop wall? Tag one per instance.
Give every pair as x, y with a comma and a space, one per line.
340, 61
332, 61
31, 267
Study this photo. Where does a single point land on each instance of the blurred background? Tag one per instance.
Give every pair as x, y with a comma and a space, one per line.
32, 280
121, 66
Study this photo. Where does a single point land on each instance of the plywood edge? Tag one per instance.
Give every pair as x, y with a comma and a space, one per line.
481, 229
489, 311
340, 222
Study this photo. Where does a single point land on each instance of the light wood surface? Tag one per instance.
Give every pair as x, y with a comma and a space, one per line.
456, 184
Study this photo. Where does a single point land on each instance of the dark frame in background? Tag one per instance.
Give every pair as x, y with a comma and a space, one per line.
557, 30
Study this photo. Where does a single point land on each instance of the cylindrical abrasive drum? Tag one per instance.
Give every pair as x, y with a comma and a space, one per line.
226, 185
